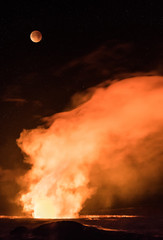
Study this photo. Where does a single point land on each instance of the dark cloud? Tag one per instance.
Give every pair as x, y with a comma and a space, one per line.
114, 59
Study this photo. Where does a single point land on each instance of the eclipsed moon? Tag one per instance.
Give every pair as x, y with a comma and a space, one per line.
36, 36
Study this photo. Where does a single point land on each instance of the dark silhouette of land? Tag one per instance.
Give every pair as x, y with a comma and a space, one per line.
66, 230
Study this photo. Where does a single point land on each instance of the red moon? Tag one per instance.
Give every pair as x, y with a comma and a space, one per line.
36, 36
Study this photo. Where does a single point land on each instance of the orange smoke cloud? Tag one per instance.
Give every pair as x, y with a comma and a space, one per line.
108, 146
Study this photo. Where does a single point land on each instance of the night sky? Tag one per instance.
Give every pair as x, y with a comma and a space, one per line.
83, 45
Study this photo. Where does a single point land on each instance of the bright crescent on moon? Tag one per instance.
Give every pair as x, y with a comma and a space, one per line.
36, 36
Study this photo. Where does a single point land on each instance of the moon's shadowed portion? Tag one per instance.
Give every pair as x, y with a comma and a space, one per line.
71, 230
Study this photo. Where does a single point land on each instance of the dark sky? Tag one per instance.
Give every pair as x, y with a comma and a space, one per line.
81, 41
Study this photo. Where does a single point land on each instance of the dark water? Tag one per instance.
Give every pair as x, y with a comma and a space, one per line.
149, 226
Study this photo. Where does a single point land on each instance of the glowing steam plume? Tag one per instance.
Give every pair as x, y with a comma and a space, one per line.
107, 146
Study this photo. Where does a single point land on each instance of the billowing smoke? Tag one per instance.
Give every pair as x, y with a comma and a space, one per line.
108, 147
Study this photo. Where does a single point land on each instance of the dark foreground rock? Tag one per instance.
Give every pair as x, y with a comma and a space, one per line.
71, 230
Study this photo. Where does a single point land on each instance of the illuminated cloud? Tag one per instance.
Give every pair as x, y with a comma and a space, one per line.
15, 100
105, 149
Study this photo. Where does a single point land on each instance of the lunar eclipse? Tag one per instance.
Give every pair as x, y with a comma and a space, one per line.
36, 36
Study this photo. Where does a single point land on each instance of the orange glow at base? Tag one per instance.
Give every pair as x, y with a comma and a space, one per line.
108, 146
